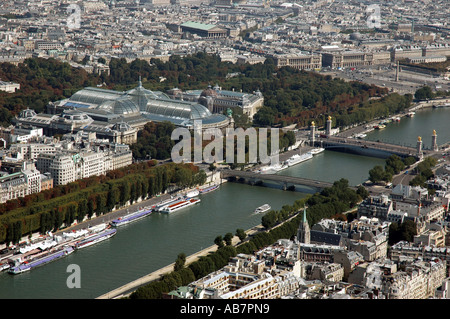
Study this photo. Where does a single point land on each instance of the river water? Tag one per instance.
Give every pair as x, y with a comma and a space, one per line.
422, 124
154, 242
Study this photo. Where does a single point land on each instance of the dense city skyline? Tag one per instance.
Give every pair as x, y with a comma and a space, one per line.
98, 98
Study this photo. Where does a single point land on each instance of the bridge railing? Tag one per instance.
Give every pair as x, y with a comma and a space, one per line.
369, 145
276, 178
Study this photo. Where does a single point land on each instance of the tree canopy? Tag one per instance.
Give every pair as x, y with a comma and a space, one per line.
291, 96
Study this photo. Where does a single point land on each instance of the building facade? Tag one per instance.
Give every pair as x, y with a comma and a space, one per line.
21, 183
117, 116
219, 101
210, 31
9, 87
68, 166
418, 280
299, 61
13, 186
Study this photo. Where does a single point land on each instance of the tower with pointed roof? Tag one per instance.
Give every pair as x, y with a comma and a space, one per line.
303, 233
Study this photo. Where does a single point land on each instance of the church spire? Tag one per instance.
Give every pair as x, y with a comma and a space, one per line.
303, 233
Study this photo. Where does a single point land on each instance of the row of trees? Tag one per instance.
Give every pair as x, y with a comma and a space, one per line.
124, 186
394, 165
375, 108
291, 96
424, 171
154, 141
320, 205
41, 81
183, 275
333, 201
275, 217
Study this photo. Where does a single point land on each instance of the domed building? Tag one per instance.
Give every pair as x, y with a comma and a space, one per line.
118, 115
218, 101
27, 113
356, 36
137, 107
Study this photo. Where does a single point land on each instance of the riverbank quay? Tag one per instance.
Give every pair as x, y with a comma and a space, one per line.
127, 289
6, 251
95, 221
368, 127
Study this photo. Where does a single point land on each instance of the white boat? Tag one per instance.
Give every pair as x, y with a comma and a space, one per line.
278, 167
296, 159
272, 169
4, 266
41, 260
192, 193
266, 170
95, 238
131, 217
208, 189
262, 209
318, 150
179, 205
167, 202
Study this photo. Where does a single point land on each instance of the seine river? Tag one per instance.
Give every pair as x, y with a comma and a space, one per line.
154, 242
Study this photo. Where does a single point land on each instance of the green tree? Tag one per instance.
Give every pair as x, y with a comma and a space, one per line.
180, 262
228, 238
82, 210
362, 192
376, 174
424, 93
408, 161
395, 163
219, 241
405, 231
291, 137
269, 219
241, 234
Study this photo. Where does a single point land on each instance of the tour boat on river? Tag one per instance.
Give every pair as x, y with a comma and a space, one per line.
183, 203
131, 217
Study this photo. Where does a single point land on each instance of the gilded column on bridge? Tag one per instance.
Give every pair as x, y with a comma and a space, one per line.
313, 133
434, 145
419, 148
328, 128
